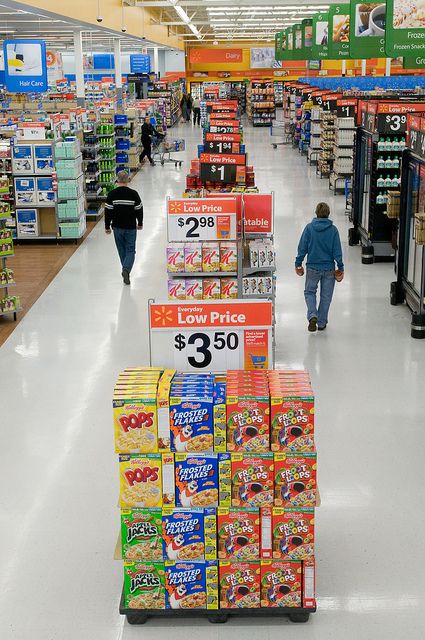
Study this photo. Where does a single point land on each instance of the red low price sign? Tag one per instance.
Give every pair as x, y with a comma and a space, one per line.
224, 123
223, 137
223, 158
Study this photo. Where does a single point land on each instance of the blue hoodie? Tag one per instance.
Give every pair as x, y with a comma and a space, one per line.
320, 242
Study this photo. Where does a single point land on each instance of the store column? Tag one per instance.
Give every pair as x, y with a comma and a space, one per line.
364, 67
155, 61
118, 70
79, 68
387, 66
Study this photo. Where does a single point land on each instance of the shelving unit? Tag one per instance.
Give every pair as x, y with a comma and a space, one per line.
343, 153
172, 93
262, 109
7, 199
315, 136
9, 304
327, 140
108, 152
91, 159
71, 197
305, 137
278, 93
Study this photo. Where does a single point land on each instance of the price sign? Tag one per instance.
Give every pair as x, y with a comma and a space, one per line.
223, 137
198, 219
214, 122
224, 129
211, 335
392, 123
346, 108
218, 172
228, 115
222, 147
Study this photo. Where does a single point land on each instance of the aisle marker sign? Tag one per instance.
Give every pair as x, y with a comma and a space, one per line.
211, 335
25, 66
201, 219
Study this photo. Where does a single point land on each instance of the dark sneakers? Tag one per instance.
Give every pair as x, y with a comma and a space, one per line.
312, 325
321, 328
125, 276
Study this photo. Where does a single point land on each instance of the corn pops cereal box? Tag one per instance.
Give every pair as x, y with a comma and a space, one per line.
191, 585
192, 257
211, 288
191, 419
196, 480
135, 420
281, 583
141, 534
175, 257
183, 534
293, 533
238, 534
225, 479
295, 479
292, 422
229, 288
228, 256
140, 480
248, 424
239, 584
210, 256
176, 289
144, 585
252, 479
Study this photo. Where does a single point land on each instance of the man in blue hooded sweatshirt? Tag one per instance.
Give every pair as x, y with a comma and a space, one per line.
321, 244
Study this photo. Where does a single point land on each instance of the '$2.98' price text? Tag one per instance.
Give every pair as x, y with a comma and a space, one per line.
204, 345
196, 223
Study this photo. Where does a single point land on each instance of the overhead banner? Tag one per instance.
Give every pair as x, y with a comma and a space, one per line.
290, 44
298, 42
231, 56
263, 58
367, 29
320, 47
417, 62
307, 38
25, 66
405, 28
339, 27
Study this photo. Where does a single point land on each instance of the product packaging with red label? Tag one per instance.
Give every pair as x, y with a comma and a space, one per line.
238, 533
293, 533
239, 585
281, 583
252, 479
295, 479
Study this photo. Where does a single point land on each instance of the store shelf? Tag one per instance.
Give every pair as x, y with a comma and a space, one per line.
203, 274
249, 270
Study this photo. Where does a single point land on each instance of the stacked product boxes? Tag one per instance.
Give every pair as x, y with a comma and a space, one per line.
217, 488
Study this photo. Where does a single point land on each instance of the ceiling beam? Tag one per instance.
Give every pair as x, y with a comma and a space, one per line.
235, 5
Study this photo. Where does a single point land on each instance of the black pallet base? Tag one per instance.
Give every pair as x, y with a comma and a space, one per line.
140, 616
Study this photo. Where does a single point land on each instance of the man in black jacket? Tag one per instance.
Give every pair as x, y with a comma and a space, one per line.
147, 132
124, 210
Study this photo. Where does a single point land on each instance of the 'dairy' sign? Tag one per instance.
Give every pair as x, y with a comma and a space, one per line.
25, 66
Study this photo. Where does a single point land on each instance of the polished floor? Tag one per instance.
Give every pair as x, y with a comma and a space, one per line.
59, 476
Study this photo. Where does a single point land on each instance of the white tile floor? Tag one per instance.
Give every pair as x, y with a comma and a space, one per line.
58, 479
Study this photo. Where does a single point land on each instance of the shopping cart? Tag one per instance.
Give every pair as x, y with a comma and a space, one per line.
163, 148
284, 130
259, 362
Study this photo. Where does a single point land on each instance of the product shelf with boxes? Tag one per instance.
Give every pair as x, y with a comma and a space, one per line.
71, 200
327, 140
315, 135
262, 103
343, 150
9, 304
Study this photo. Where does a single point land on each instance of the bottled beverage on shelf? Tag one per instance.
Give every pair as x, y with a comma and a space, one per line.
380, 163
388, 181
381, 144
380, 181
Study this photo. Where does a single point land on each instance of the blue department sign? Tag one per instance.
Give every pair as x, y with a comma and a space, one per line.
25, 65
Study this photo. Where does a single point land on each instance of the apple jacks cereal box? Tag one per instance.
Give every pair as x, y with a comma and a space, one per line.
295, 479
196, 480
293, 533
238, 533
144, 585
281, 583
141, 534
191, 585
252, 479
183, 534
239, 584
140, 480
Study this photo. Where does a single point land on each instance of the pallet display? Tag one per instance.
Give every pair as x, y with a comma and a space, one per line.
262, 103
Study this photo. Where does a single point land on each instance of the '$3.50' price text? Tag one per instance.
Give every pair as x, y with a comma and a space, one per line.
204, 344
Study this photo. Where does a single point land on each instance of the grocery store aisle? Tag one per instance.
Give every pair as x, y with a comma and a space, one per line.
59, 481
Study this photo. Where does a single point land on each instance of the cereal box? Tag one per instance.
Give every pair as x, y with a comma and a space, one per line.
191, 419
248, 423
266, 545
309, 583
144, 585
175, 257
140, 480
191, 585
252, 479
229, 288
163, 410
210, 256
192, 257
281, 583
135, 421
196, 480
183, 534
238, 534
239, 584
295, 479
225, 479
194, 289
176, 289
293, 533
292, 423
168, 480
211, 288
220, 417
141, 534
210, 529
228, 256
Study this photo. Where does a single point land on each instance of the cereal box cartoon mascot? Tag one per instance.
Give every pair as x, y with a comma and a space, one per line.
183, 438
188, 493
177, 596
174, 546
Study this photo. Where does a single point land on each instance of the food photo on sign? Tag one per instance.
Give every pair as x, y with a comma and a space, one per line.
340, 28
409, 14
322, 32
370, 19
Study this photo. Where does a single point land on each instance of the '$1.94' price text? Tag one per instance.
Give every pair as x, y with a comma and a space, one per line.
195, 223
205, 344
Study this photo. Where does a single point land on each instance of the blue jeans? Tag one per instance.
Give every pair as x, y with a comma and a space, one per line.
327, 284
125, 239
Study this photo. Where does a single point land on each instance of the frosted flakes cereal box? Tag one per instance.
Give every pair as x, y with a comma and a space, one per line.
228, 256
183, 534
281, 583
176, 289
193, 257
191, 585
140, 480
238, 534
196, 480
211, 288
191, 421
239, 584
175, 258
292, 422
229, 288
141, 534
293, 533
135, 422
144, 585
295, 479
248, 416
252, 480
194, 289
210, 256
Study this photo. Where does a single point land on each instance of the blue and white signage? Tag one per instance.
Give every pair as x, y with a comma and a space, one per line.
25, 66
140, 63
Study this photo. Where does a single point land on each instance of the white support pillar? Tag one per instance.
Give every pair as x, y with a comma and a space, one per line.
79, 67
363, 67
155, 60
344, 67
387, 66
118, 69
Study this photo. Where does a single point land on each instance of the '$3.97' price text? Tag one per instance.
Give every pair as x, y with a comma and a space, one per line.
204, 344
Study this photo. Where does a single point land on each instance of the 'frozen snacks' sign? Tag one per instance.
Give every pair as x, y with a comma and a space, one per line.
405, 28
25, 66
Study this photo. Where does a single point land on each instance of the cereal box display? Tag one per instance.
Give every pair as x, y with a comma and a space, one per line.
252, 479
228, 288
196, 480
191, 585
228, 256
194, 289
293, 533
140, 480
183, 534
135, 420
238, 534
193, 257
192, 415
239, 584
295, 479
175, 257
210, 256
141, 534
292, 413
211, 288
144, 585
281, 583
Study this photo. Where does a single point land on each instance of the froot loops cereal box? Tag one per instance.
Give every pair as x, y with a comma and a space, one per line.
248, 417
197, 481
191, 585
292, 422
140, 480
239, 584
183, 534
293, 533
295, 479
252, 479
144, 585
281, 583
141, 534
238, 532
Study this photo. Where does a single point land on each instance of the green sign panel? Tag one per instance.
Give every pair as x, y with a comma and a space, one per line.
319, 49
278, 45
405, 28
289, 44
339, 31
298, 42
307, 40
417, 62
367, 29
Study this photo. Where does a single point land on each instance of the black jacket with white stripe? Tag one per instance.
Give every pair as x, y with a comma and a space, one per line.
123, 209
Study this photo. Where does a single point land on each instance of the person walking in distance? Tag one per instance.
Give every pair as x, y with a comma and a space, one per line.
148, 131
124, 211
183, 107
189, 103
321, 243
197, 111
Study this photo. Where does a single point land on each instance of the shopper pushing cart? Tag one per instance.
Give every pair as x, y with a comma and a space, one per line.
148, 132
